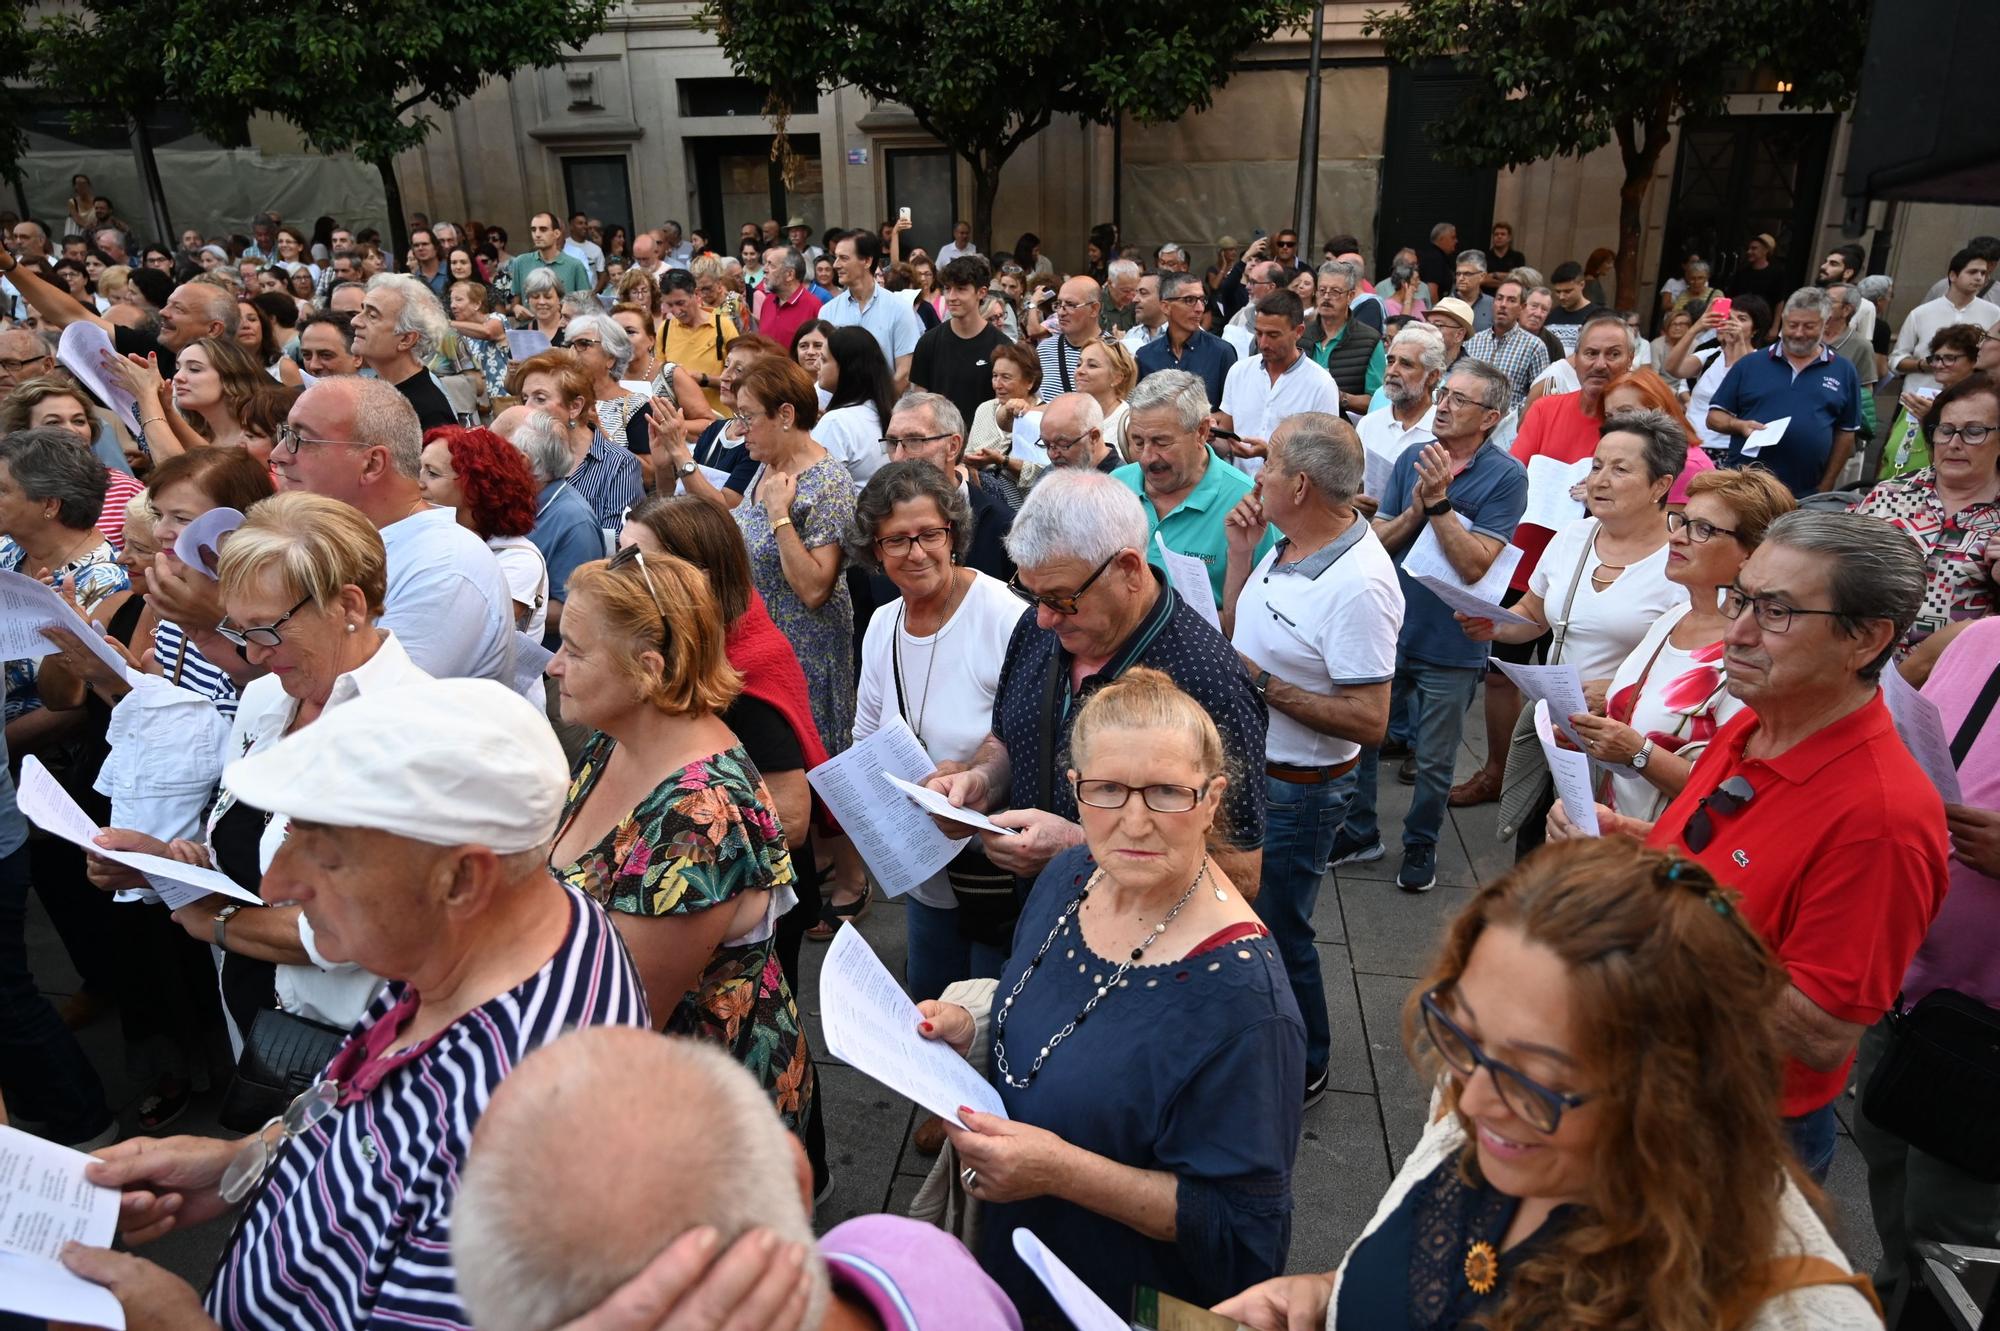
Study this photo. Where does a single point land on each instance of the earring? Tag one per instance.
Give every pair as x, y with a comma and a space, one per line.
353, 628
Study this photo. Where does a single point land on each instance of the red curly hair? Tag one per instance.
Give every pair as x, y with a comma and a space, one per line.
493, 477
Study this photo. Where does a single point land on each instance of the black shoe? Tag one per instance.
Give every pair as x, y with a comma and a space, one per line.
1407, 773
1315, 1087
1420, 868
1346, 850
1394, 748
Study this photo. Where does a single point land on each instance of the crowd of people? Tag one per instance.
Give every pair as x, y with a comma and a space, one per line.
482, 615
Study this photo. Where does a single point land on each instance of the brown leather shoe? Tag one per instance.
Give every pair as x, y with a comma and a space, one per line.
1482, 787
930, 1135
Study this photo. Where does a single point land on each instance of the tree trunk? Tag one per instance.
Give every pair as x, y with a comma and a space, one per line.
985, 189
399, 227
149, 177
1641, 157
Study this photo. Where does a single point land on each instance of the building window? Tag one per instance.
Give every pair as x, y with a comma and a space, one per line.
732, 97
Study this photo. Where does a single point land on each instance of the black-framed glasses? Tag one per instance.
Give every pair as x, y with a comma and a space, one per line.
1974, 435
1062, 444
1451, 397
289, 440
1724, 800
1772, 615
262, 635
16, 366
246, 1169
1102, 794
933, 539
1698, 531
1540, 1107
1189, 299
906, 441
1067, 604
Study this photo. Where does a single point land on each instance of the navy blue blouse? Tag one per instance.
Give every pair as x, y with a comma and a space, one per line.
1215, 1103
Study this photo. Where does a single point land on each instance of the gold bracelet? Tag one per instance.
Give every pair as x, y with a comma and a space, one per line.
781, 522
144, 421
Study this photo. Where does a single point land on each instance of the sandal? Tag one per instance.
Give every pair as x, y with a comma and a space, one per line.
838, 913
162, 1107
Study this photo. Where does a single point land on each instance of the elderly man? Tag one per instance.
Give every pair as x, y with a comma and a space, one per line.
1149, 316
1315, 621
959, 246
547, 236
1275, 383
421, 819
326, 345
956, 357
1462, 498
799, 233
23, 356
1118, 311
1411, 373
1187, 489
1075, 320
1073, 435
863, 303
1508, 347
1849, 339
535, 1246
1260, 279
1100, 610
1186, 345
195, 310
1170, 258
785, 302
1345, 347
926, 427
1467, 283
1537, 303
646, 256
566, 529
1807, 804
398, 329
1452, 318
1800, 379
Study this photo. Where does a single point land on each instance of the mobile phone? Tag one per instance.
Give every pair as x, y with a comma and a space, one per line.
1163, 1312
1721, 305
1217, 432
903, 214
1258, 234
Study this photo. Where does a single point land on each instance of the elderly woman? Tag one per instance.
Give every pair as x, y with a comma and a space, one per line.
1138, 1160
989, 442
1602, 580
605, 474
863, 396
486, 481
1954, 351
1605, 1145
1107, 372
1879, 290
566, 531
55, 402
1672, 329
668, 823
793, 517
1670, 695
605, 351
482, 333
541, 302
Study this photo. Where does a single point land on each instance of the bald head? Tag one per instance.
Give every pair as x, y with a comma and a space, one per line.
510, 420
567, 1194
23, 356
1071, 430
197, 310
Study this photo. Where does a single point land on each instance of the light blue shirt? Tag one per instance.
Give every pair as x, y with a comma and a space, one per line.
448, 602
891, 321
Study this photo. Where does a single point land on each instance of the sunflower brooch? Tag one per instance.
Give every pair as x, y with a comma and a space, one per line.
1482, 1267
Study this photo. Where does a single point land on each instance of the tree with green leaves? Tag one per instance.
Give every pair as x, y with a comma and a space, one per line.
1565, 77
985, 76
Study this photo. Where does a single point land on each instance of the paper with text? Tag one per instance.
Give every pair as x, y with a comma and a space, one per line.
1428, 559
937, 804
1027, 439
28, 605
715, 476
200, 543
1559, 684
45, 1202
1549, 484
1078, 1301
1762, 439
525, 342
1463, 601
1571, 771
1190, 578
871, 1025
897, 840
85, 350
531, 662
1922, 728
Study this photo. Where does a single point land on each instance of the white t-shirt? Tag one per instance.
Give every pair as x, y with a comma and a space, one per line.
1699, 399
949, 680
1328, 619
1604, 626
1697, 695
447, 601
1560, 377
588, 254
527, 577
853, 434
1255, 404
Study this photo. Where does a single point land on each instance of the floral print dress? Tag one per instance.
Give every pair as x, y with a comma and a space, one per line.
1676, 697
704, 836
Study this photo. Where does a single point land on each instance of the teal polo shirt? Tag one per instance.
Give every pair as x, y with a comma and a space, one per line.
1196, 527
569, 271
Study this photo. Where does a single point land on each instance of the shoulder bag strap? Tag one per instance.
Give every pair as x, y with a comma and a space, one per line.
1975, 720
1569, 602
1053, 706
1782, 1275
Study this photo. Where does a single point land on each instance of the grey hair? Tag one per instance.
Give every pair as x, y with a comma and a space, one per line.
384, 418
1875, 286
1531, 280
1341, 268
1495, 385
1430, 343
1847, 299
1608, 317
1077, 513
945, 414
216, 304
544, 442
1177, 391
792, 260
579, 303
617, 342
1700, 266
1809, 298
1666, 444
1120, 268
1441, 228
1324, 449
1873, 570
1173, 284
905, 482
539, 281
1171, 248
1472, 259
51, 464
421, 313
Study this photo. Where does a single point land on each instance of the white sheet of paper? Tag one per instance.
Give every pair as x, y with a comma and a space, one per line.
1770, 434
1549, 484
46, 1202
1376, 469
1922, 728
639, 386
1559, 684
1241, 338
48, 806
85, 350
27, 606
1078, 1301
200, 544
871, 1025
531, 659
1427, 559
1463, 601
1190, 578
944, 808
1028, 439
897, 840
525, 342
716, 477
1571, 771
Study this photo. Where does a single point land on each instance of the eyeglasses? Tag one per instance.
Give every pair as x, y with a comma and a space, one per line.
1100, 794
930, 538
1071, 305
1059, 443
1539, 1106
1061, 605
891, 441
16, 366
1944, 434
262, 635
1698, 531
289, 440
1453, 398
246, 1169
581, 343
1945, 358
1725, 799
1288, 244
1190, 300
1773, 615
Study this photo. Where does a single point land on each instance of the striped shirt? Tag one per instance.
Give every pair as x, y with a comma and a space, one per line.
1058, 358
609, 480
182, 663
351, 1228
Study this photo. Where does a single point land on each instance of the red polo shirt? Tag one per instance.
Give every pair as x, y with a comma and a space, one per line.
1840, 860
780, 320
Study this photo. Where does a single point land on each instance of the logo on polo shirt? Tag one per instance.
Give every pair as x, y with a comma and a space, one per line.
1742, 860
1831, 383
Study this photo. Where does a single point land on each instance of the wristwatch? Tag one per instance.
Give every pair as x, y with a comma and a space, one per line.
1439, 509
1642, 757
1262, 683
686, 469
222, 921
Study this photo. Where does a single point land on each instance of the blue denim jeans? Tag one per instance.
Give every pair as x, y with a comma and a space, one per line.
43, 1071
939, 955
1441, 695
1299, 823
1813, 1137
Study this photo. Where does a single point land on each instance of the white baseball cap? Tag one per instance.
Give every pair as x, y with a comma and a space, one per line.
451, 762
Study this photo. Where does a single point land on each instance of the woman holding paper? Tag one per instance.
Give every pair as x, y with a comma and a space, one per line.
668, 823
1143, 1037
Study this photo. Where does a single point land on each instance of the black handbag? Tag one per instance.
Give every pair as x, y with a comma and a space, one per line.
283, 1055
